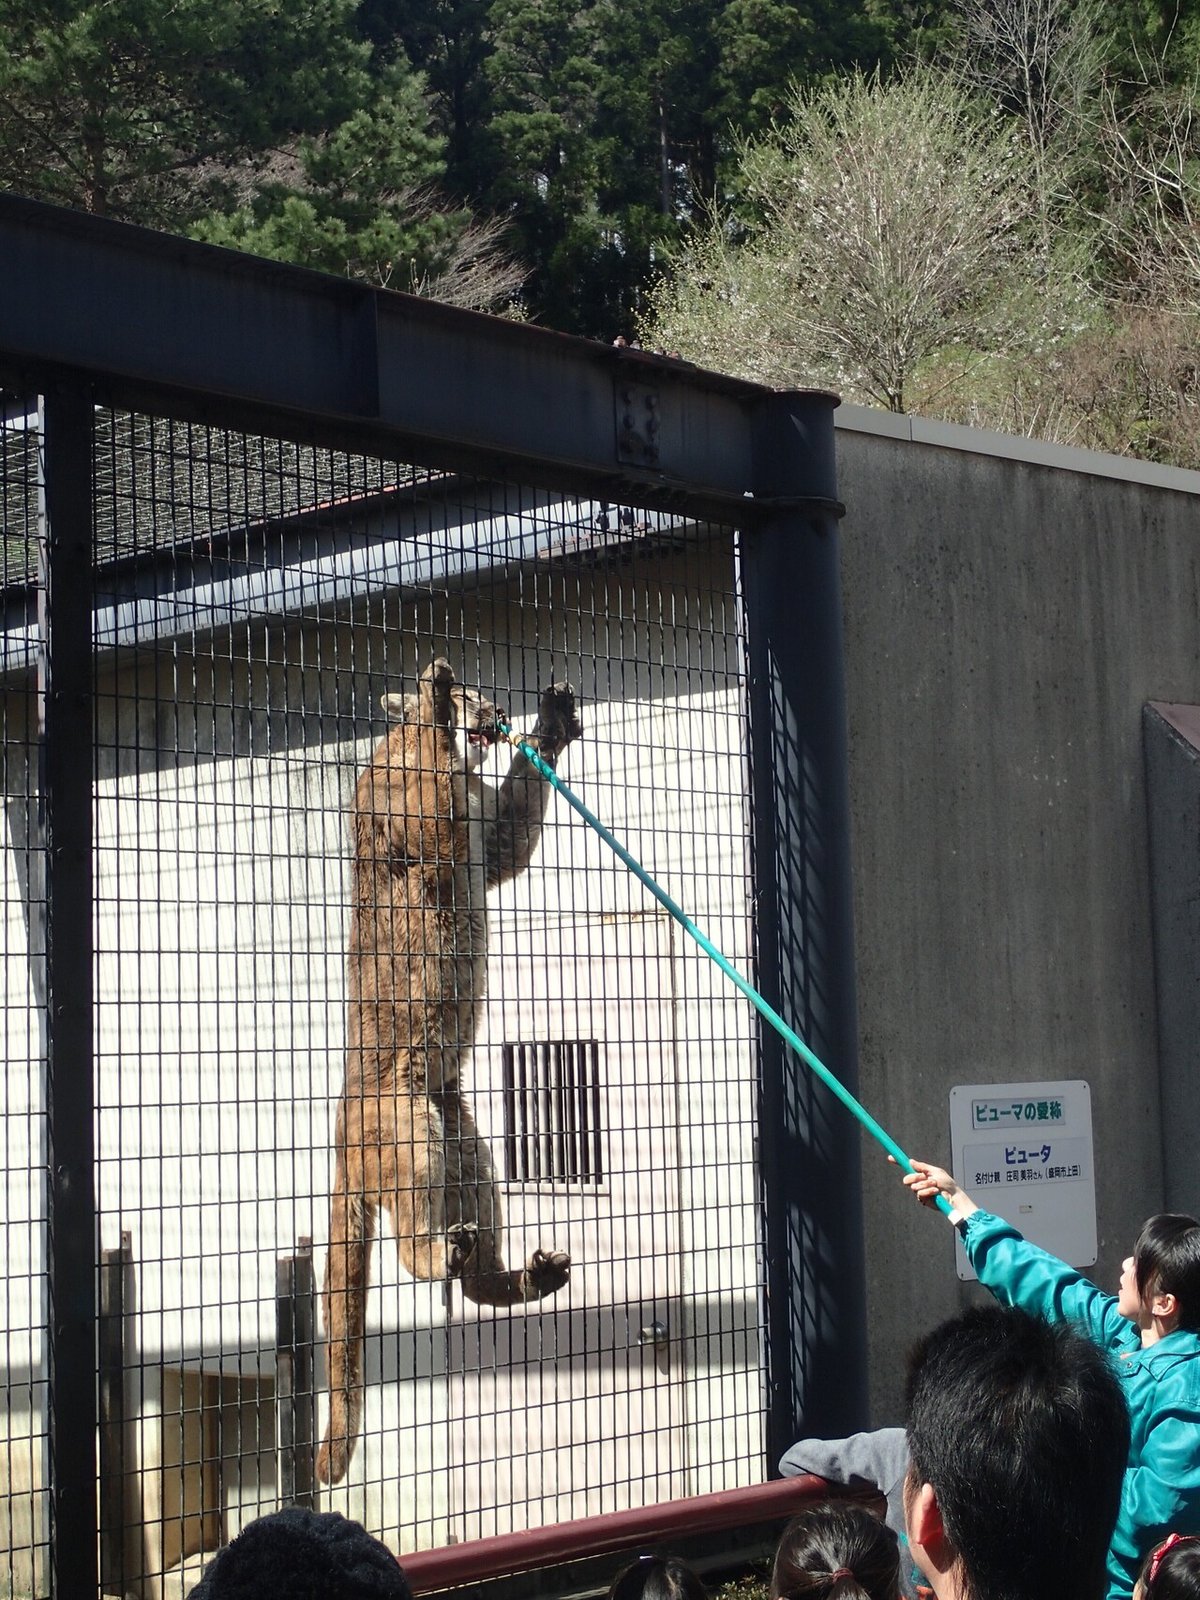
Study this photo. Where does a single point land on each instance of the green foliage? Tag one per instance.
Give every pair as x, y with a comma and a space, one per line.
889, 221
274, 129
593, 128
609, 124
447, 42
1006, 237
357, 202
122, 106
1147, 30
984, 209
767, 47
539, 153
753, 1586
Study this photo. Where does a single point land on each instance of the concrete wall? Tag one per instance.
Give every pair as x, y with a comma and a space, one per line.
1009, 608
1172, 745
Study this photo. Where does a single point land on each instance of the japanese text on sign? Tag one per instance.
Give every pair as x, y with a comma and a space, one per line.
1025, 1151
1052, 1161
987, 1113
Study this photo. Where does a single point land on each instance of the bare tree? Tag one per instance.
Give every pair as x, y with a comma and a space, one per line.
1043, 61
478, 272
1151, 144
893, 222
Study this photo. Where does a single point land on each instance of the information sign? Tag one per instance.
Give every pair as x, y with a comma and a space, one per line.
1024, 1152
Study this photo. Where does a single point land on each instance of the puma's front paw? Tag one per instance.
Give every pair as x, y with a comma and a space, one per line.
545, 1272
433, 693
462, 1241
558, 721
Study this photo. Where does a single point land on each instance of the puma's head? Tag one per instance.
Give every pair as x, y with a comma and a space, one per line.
471, 719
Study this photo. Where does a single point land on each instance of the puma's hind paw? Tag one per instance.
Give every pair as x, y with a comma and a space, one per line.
545, 1272
462, 1241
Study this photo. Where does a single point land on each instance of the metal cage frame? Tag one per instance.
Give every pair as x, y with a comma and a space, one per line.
101, 313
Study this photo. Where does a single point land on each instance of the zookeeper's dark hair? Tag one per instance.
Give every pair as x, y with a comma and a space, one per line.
657, 1578
836, 1552
1021, 1428
1166, 1260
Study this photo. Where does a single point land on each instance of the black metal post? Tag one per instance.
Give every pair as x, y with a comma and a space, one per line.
65, 715
815, 1293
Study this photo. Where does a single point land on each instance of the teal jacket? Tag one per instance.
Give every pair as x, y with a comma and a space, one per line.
1161, 1491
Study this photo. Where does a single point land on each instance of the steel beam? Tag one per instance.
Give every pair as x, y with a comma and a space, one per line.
153, 314
804, 947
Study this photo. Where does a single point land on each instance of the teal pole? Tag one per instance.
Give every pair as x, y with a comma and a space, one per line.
790, 1036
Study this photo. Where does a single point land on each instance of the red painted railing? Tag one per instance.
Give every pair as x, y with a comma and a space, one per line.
477, 1559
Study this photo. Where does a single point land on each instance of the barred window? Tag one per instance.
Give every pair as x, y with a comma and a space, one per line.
552, 1111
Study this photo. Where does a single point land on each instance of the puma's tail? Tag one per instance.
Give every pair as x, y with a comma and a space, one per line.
351, 1229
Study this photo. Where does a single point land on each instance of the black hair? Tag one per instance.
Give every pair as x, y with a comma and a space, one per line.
657, 1578
1175, 1565
1021, 1429
835, 1552
1166, 1260
305, 1555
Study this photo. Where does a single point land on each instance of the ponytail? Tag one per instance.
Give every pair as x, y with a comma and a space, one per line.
836, 1552
845, 1584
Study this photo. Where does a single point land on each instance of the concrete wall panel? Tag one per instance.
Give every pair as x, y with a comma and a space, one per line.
1006, 621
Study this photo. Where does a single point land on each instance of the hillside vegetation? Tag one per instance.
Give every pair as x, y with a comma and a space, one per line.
977, 209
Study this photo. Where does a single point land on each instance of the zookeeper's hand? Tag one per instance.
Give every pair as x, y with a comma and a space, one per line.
927, 1182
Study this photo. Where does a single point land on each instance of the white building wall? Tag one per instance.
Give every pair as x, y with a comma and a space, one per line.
221, 924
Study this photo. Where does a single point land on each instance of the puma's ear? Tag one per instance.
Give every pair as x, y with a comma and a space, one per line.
399, 707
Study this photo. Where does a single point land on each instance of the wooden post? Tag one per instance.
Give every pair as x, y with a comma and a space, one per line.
115, 1270
295, 1388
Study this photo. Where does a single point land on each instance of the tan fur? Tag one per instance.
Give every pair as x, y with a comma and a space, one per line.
430, 838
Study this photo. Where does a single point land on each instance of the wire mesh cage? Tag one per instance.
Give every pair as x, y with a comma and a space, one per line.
460, 1055
23, 1519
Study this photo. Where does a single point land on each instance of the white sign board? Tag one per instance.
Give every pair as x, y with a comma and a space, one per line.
1023, 1151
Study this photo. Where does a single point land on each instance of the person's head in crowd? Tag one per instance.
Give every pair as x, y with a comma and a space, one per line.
1171, 1571
657, 1578
303, 1555
1160, 1281
836, 1552
1018, 1438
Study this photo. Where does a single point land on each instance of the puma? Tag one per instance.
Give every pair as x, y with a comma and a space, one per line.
430, 838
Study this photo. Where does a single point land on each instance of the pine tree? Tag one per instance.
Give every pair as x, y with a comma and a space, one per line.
539, 150
354, 201
130, 108
768, 48
447, 42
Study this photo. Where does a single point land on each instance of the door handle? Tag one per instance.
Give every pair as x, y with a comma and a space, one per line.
654, 1333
